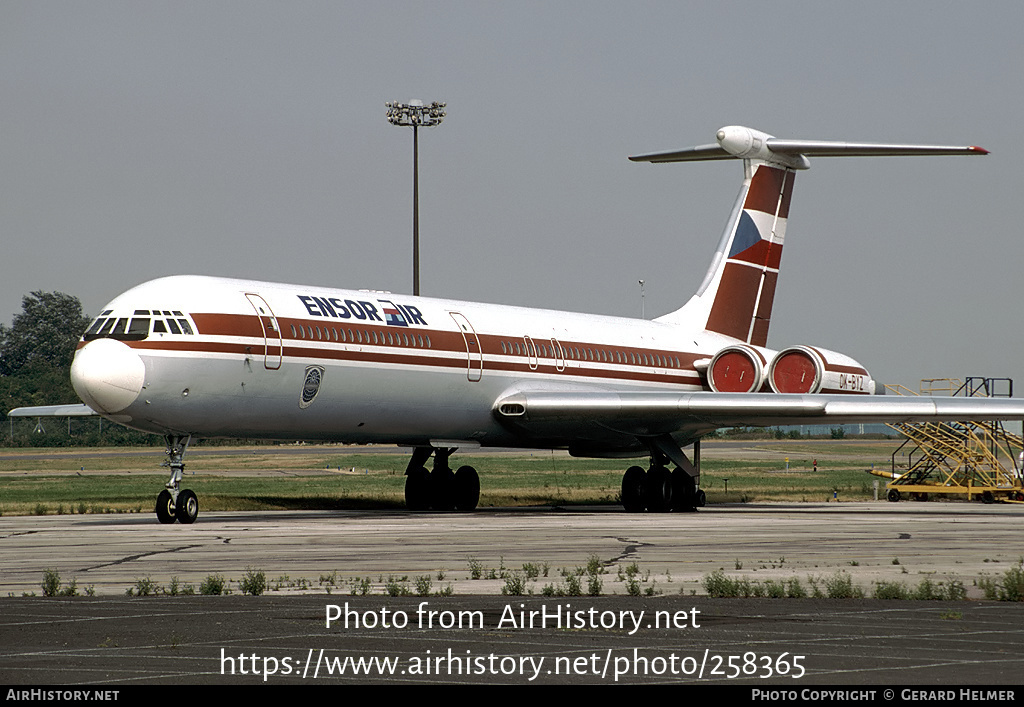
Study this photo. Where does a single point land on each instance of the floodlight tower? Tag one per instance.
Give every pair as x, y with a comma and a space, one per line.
415, 114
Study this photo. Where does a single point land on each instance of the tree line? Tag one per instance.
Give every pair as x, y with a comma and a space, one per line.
36, 351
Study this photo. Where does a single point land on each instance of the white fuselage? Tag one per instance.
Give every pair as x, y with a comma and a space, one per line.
385, 367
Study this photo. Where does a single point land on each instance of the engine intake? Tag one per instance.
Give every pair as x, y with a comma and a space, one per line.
806, 369
737, 369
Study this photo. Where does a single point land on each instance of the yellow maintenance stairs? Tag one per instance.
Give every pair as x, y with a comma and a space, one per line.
975, 459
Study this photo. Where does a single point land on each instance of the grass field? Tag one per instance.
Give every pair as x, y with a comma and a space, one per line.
34, 481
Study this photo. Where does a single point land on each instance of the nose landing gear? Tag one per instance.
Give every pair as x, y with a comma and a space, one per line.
175, 503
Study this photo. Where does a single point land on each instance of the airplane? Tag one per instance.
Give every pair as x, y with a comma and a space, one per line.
195, 356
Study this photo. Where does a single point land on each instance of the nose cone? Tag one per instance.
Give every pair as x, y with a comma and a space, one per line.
107, 375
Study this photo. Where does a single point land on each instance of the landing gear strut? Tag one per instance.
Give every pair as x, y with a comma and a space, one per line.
659, 490
174, 503
440, 489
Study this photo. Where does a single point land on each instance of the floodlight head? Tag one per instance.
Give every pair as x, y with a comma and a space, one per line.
415, 113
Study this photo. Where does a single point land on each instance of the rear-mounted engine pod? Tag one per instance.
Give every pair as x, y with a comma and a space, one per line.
806, 369
796, 370
736, 369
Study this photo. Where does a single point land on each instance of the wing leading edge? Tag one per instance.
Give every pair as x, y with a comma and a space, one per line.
644, 413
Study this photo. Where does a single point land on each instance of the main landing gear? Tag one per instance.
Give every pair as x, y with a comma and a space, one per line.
441, 489
660, 490
174, 503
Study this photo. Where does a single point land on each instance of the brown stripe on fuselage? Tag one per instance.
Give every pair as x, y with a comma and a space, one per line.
410, 357
447, 349
214, 324
249, 326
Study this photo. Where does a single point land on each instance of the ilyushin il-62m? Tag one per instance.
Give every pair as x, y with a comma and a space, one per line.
189, 356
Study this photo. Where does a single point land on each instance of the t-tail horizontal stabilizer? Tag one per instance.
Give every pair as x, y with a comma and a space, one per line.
738, 142
735, 299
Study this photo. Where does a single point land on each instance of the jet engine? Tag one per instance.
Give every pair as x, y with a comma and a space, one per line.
806, 369
737, 369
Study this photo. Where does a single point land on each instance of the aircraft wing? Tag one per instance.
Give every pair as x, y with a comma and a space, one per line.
645, 413
70, 410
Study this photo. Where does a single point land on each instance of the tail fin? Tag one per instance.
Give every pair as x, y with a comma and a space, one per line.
736, 296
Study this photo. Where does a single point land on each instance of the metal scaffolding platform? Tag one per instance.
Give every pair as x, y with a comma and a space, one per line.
975, 459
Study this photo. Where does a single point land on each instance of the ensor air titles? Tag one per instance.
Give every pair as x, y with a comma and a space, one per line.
394, 314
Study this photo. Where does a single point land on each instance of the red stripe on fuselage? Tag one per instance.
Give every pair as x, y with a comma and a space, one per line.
408, 357
448, 348
234, 325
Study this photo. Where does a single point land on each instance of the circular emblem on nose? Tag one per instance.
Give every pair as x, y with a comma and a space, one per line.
311, 385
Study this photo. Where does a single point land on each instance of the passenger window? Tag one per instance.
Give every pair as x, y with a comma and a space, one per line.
185, 326
159, 327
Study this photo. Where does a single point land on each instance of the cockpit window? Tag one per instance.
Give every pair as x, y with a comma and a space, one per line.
137, 327
94, 330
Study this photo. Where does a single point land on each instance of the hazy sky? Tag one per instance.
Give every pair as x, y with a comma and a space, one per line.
140, 139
